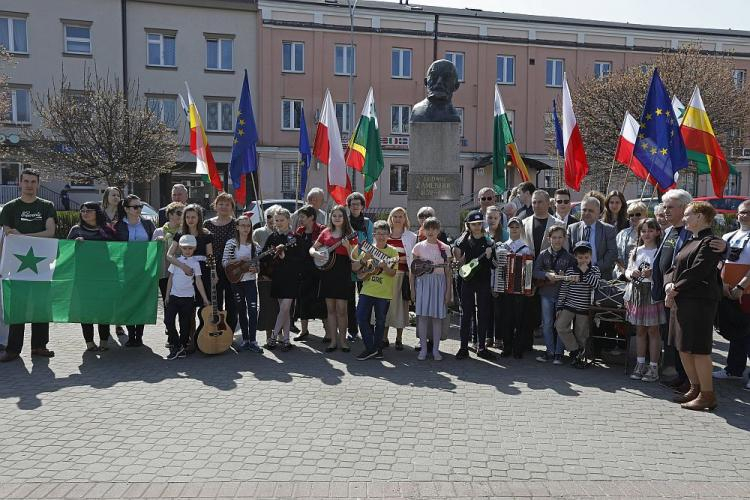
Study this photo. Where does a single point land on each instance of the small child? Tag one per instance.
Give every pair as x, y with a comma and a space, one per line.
574, 302
549, 269
643, 313
433, 291
376, 293
181, 297
509, 307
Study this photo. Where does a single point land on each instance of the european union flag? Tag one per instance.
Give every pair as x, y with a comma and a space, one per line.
558, 131
244, 154
659, 145
305, 153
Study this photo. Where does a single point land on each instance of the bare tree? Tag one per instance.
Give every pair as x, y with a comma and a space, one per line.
5, 60
98, 134
600, 104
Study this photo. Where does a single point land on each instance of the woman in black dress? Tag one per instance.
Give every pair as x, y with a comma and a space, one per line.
309, 305
693, 294
286, 275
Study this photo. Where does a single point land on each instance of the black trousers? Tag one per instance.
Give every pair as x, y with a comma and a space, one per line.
39, 336
184, 309
475, 296
88, 332
352, 310
513, 310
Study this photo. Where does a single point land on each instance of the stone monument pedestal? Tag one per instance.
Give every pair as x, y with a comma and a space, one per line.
434, 173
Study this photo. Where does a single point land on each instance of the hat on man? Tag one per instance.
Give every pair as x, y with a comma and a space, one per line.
188, 240
474, 216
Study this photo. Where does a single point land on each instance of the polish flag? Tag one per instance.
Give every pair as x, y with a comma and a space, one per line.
329, 150
625, 145
576, 166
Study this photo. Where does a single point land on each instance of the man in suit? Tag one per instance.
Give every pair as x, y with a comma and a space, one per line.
179, 194
602, 236
535, 227
563, 206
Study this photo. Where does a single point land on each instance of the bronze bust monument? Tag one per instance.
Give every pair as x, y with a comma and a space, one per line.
441, 82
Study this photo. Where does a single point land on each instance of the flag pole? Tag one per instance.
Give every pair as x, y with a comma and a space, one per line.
559, 169
296, 189
611, 171
627, 174
645, 183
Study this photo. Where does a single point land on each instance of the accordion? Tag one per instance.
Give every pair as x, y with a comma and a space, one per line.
513, 273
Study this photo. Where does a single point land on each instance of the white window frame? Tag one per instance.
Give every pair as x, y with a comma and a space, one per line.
452, 56
292, 57
346, 114
67, 39
161, 36
219, 114
11, 34
292, 116
345, 59
505, 58
401, 73
403, 128
552, 82
220, 40
460, 112
13, 111
740, 78
402, 175
161, 99
602, 69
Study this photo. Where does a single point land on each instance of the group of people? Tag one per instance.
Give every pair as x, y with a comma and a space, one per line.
362, 277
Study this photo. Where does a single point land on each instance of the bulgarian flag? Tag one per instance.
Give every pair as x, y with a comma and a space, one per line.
45, 280
502, 142
364, 153
204, 159
700, 141
329, 150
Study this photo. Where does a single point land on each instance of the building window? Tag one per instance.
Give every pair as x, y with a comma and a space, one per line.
399, 174
289, 170
220, 116
506, 70
602, 69
165, 109
740, 77
293, 57
77, 39
13, 34
460, 112
9, 173
457, 58
555, 69
344, 116
345, 60
400, 63
400, 119
161, 50
20, 106
734, 182
219, 52
291, 110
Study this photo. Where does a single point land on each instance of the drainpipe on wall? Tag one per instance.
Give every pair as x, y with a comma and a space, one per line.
435, 38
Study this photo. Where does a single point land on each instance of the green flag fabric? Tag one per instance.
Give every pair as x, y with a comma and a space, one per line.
67, 281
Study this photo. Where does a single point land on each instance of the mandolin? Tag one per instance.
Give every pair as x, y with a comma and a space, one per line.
235, 270
326, 261
213, 335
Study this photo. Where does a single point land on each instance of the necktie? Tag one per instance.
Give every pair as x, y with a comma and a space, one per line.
587, 233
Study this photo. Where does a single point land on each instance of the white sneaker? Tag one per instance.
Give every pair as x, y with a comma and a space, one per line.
638, 371
651, 375
724, 375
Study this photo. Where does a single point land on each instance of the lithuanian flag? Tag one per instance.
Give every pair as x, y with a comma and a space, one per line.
363, 151
502, 142
701, 143
205, 165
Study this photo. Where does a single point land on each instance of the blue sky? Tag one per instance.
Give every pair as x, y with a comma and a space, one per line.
733, 14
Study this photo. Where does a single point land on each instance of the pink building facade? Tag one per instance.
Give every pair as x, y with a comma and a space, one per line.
304, 48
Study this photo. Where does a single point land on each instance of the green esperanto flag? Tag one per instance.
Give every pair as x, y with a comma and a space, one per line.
67, 281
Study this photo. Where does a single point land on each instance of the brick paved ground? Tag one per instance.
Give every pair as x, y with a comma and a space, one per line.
305, 424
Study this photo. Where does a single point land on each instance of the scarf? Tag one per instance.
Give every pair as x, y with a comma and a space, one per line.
358, 223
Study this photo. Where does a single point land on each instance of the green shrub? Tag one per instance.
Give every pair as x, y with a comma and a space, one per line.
65, 220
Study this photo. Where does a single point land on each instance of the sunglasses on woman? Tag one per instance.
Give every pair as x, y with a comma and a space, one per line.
137, 207
635, 214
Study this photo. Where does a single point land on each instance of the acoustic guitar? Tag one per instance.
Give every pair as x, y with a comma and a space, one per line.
235, 270
213, 335
328, 258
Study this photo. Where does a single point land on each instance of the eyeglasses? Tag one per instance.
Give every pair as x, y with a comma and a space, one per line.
562, 202
635, 214
87, 210
487, 198
137, 207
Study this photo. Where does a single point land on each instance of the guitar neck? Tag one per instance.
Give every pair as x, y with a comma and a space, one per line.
214, 300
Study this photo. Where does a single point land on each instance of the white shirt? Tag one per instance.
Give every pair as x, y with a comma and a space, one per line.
182, 284
738, 240
644, 259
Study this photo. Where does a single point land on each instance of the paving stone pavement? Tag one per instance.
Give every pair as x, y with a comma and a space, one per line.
305, 424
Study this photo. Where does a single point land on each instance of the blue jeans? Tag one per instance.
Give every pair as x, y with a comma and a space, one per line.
246, 298
553, 342
373, 338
